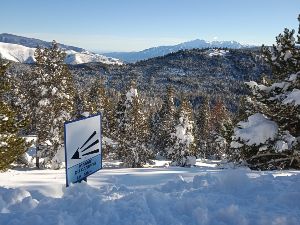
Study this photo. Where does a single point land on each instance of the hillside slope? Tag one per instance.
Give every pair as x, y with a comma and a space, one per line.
164, 50
23, 54
33, 42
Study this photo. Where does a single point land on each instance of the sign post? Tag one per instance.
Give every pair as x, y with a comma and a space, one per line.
82, 148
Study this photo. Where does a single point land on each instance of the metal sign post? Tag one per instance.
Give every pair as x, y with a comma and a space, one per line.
82, 148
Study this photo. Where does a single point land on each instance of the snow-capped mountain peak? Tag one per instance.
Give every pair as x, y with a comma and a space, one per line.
164, 50
23, 54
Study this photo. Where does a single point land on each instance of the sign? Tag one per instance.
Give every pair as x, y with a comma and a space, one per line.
82, 148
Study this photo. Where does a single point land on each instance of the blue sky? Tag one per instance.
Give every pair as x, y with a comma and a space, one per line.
126, 25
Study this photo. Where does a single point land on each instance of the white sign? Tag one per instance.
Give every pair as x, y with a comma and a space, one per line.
82, 148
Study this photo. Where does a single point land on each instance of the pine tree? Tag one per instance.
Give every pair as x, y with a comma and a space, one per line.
53, 100
165, 124
96, 97
183, 152
284, 57
222, 130
203, 128
133, 130
277, 103
79, 104
100, 102
243, 110
12, 145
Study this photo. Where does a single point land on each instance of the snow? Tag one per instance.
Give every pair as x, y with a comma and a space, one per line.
16, 53
44, 102
253, 85
287, 55
132, 93
158, 195
54, 90
282, 85
257, 130
235, 144
281, 146
48, 142
293, 98
3, 144
183, 131
86, 57
293, 77
85, 114
4, 118
217, 52
20, 53
108, 141
289, 139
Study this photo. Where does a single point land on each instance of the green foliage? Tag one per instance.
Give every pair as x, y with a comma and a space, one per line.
53, 99
99, 101
284, 57
268, 99
184, 136
203, 127
165, 124
214, 129
12, 145
133, 132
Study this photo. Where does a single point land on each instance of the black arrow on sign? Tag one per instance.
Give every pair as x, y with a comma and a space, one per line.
76, 155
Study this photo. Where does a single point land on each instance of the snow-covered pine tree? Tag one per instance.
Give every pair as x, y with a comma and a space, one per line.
165, 124
53, 90
269, 139
133, 130
12, 145
284, 57
222, 130
79, 104
203, 128
100, 102
243, 110
16, 96
183, 152
96, 97
152, 106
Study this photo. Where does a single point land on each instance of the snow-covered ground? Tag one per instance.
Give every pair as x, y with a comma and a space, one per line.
217, 52
205, 194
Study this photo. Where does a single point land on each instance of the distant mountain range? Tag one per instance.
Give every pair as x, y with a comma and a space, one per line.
164, 50
33, 43
21, 49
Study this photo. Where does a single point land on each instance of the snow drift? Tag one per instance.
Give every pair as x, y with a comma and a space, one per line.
229, 197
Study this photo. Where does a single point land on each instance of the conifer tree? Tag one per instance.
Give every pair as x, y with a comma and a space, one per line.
79, 104
222, 130
203, 128
183, 152
12, 145
100, 102
284, 57
96, 97
133, 130
53, 98
166, 122
276, 103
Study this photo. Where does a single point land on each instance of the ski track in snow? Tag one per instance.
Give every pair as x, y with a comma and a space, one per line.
160, 195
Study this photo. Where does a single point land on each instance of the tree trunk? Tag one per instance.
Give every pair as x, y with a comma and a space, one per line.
37, 159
